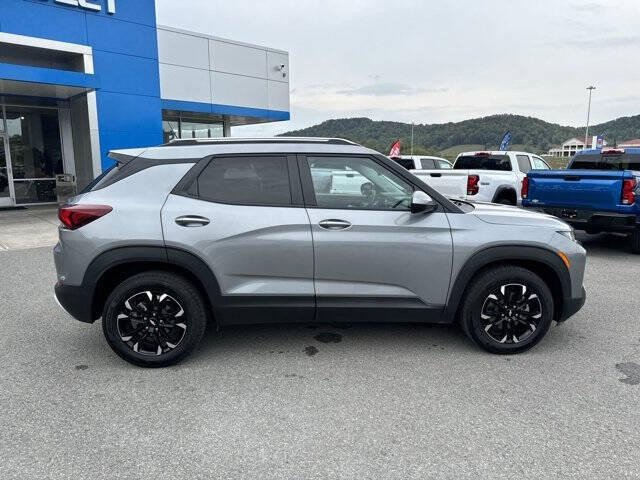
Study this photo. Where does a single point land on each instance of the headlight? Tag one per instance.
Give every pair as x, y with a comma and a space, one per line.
568, 233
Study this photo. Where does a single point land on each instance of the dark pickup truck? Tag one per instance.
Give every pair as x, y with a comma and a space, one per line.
599, 192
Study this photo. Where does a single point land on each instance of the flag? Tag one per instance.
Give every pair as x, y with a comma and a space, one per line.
505, 142
395, 149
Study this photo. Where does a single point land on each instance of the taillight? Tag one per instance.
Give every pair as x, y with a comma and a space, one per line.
472, 184
628, 191
525, 187
76, 216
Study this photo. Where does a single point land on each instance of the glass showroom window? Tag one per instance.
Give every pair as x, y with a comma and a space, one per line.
179, 127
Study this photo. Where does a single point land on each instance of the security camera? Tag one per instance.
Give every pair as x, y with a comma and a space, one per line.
283, 68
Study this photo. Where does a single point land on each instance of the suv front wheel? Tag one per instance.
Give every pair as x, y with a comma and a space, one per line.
154, 319
507, 310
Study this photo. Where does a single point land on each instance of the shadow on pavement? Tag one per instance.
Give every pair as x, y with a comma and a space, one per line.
609, 244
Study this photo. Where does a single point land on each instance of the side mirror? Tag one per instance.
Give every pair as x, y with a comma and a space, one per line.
422, 203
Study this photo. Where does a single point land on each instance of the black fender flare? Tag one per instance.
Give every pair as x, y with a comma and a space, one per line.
152, 255
502, 189
505, 254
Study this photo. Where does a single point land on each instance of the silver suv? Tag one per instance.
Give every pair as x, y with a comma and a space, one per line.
238, 231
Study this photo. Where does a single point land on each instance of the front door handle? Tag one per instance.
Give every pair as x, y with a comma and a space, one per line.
192, 221
334, 224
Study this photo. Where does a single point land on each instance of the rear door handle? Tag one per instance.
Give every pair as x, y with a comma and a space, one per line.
192, 221
334, 224
435, 174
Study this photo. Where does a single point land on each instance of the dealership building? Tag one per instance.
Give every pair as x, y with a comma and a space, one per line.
79, 78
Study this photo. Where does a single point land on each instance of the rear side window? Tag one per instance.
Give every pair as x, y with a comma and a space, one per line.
524, 163
606, 162
427, 164
490, 162
246, 181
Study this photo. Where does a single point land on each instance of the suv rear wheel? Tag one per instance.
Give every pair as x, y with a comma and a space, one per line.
507, 310
154, 319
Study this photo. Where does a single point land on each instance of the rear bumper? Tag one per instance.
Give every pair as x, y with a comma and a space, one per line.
76, 301
594, 220
570, 306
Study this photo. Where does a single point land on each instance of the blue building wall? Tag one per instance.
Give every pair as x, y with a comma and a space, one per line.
125, 57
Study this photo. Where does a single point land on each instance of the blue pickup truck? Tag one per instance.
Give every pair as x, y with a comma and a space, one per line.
599, 192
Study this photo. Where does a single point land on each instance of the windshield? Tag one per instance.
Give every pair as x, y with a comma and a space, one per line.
605, 162
492, 162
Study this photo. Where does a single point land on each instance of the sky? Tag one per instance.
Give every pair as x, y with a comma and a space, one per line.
436, 62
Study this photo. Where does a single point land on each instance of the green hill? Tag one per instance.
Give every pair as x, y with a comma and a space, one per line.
529, 133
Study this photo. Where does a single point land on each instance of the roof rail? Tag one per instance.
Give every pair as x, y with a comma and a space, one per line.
228, 140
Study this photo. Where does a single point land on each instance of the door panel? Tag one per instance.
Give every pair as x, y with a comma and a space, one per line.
382, 254
252, 250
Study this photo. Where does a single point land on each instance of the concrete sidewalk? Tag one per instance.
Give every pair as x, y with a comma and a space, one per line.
28, 228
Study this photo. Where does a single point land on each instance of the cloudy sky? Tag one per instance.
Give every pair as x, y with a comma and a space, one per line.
433, 62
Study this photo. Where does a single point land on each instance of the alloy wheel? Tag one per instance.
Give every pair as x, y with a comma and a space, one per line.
511, 313
151, 322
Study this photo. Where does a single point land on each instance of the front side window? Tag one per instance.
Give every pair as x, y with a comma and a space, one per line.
357, 183
523, 163
246, 181
539, 164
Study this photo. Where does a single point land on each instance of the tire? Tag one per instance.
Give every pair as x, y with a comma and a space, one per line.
635, 241
517, 325
168, 305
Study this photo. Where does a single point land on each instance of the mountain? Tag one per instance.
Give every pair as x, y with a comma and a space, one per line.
528, 133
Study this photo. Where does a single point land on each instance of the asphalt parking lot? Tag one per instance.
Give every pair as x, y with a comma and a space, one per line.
323, 401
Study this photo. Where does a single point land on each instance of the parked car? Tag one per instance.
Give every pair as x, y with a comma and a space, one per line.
438, 173
496, 176
235, 231
598, 192
422, 162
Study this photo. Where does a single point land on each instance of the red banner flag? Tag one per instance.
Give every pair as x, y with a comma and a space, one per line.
395, 149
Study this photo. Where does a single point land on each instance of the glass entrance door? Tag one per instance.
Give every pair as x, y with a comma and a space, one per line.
6, 183
35, 150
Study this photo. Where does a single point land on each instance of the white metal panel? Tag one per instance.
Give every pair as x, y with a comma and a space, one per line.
182, 49
278, 96
238, 90
239, 59
275, 60
184, 83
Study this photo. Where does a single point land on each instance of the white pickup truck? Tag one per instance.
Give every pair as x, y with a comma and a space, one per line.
494, 177
436, 172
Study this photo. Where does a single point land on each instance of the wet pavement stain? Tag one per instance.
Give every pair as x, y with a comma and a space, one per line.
82, 367
311, 350
631, 370
328, 337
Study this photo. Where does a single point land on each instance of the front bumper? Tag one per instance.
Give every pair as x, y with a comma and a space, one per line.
76, 301
571, 306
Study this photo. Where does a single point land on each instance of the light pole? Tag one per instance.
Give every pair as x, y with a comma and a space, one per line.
411, 138
591, 88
